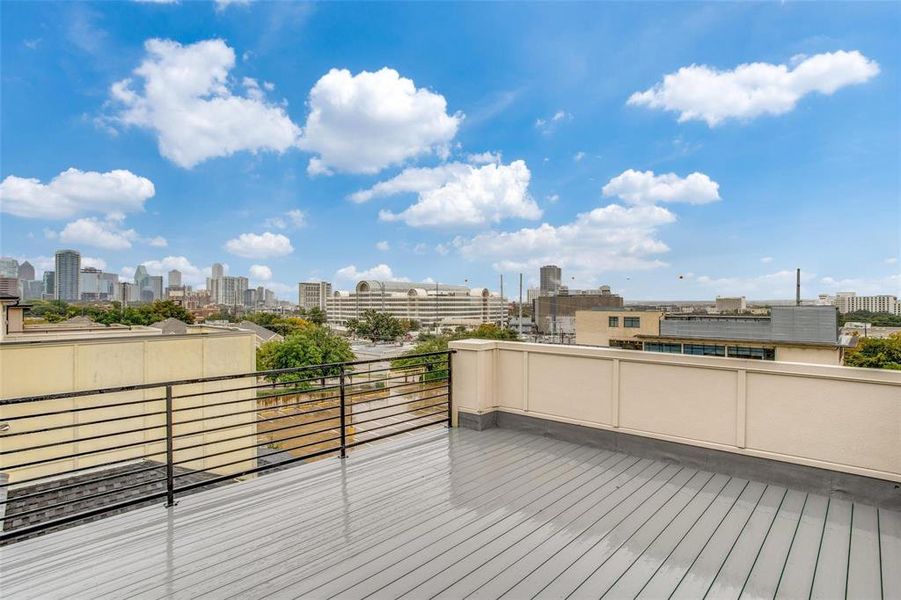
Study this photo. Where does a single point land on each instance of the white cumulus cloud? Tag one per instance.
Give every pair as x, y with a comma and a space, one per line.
365, 122
75, 192
379, 272
260, 273
266, 245
383, 246
703, 93
458, 194
293, 219
101, 234
614, 237
191, 274
186, 98
643, 187
608, 238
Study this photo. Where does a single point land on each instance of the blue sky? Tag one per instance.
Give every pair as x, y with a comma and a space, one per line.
669, 150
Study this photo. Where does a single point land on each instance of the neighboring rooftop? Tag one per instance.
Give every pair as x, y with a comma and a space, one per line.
791, 324
171, 326
490, 513
261, 332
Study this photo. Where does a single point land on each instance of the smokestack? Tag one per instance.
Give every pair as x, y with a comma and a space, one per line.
798, 287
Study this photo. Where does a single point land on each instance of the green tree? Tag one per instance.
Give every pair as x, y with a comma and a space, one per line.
881, 319
877, 353
112, 314
307, 347
316, 316
376, 326
435, 366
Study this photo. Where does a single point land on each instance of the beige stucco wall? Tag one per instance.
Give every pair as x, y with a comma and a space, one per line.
833, 417
592, 326
66, 366
809, 354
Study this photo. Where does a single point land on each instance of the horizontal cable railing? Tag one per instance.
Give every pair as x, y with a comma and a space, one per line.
74, 457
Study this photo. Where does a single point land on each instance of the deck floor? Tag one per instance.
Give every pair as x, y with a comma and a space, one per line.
473, 514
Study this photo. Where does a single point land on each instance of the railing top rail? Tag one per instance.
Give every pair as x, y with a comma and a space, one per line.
147, 386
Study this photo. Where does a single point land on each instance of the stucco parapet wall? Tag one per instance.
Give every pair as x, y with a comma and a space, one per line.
830, 417
101, 337
878, 376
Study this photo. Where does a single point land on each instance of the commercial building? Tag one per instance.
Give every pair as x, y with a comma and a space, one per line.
725, 304
850, 302
552, 313
808, 334
550, 277
94, 284
67, 268
49, 284
313, 294
31, 289
432, 305
26, 271
9, 267
174, 278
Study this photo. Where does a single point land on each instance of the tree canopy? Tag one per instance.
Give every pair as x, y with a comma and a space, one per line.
876, 353
427, 343
308, 346
282, 325
880, 319
376, 326
54, 311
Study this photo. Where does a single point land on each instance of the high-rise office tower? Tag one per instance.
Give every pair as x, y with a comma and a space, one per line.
26, 271
50, 283
67, 270
174, 278
218, 271
551, 275
9, 267
155, 286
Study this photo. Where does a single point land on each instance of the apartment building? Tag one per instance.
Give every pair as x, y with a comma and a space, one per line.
313, 294
807, 334
226, 290
432, 305
850, 302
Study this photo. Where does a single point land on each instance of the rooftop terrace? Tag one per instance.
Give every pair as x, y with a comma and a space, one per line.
572, 472
460, 513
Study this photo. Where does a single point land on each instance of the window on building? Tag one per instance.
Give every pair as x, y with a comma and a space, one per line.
625, 344
704, 349
752, 353
667, 347
612, 321
631, 321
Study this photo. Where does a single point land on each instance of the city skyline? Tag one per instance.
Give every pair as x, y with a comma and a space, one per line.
496, 158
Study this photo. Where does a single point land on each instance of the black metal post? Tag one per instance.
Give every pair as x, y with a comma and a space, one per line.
343, 413
170, 450
450, 391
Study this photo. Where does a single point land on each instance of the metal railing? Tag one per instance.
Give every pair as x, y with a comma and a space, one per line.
77, 456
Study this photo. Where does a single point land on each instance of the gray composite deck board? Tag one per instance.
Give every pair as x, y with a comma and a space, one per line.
467, 514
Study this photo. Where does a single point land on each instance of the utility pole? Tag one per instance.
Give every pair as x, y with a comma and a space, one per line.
520, 305
798, 287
